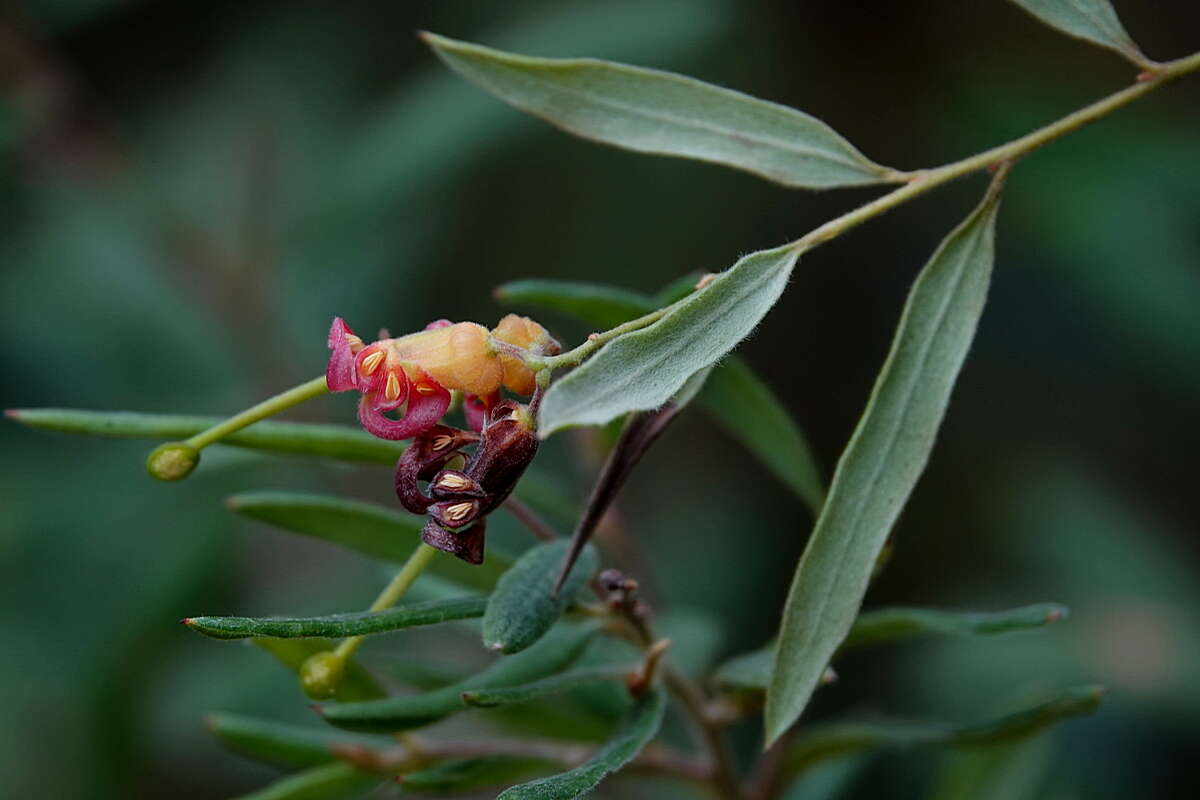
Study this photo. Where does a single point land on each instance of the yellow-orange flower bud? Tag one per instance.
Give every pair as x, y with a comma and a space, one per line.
525, 333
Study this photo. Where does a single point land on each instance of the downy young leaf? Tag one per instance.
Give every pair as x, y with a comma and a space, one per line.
555, 684
301, 438
640, 725
643, 369
554, 653
366, 527
357, 684
649, 111
337, 781
523, 606
1095, 21
358, 623
734, 395
882, 462
281, 744
832, 740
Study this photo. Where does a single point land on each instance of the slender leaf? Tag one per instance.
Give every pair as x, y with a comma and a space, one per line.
554, 653
832, 740
659, 112
337, 781
734, 395
368, 528
1095, 21
340, 625
882, 462
523, 606
458, 775
643, 369
751, 412
637, 729
555, 684
301, 438
281, 744
357, 684
885, 624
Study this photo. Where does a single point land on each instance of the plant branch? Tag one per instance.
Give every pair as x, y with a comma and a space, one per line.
391, 593
269, 407
530, 519
598, 340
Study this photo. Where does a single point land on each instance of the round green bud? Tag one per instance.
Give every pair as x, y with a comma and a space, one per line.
172, 461
321, 674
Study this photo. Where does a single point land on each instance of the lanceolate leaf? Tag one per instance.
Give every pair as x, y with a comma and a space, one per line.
523, 606
734, 395
555, 684
331, 441
667, 114
1093, 20
554, 653
337, 781
838, 739
281, 744
882, 462
340, 625
753, 670
640, 725
368, 528
458, 775
643, 369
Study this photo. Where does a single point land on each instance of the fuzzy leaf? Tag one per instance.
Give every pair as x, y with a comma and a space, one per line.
523, 606
555, 684
640, 725
649, 111
301, 438
459, 775
337, 781
1095, 21
554, 653
368, 528
643, 369
339, 625
882, 462
281, 744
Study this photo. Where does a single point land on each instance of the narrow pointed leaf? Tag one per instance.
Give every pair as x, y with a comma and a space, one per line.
734, 395
1095, 21
667, 114
459, 775
554, 653
368, 528
642, 370
339, 625
882, 462
281, 744
337, 781
301, 438
523, 606
555, 684
640, 725
833, 740
885, 624
357, 684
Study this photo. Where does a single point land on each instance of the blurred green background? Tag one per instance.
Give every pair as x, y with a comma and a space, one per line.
190, 191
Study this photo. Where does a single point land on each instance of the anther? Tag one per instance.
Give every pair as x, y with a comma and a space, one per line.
442, 442
371, 362
459, 511
425, 388
452, 482
392, 390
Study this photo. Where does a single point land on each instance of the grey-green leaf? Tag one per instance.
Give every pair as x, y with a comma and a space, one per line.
644, 369
523, 606
358, 623
337, 781
282, 744
300, 438
368, 528
639, 726
742, 402
459, 775
882, 462
1095, 21
649, 111
554, 653
734, 395
555, 684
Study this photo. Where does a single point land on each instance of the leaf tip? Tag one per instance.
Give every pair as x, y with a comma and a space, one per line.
1058, 613
13, 413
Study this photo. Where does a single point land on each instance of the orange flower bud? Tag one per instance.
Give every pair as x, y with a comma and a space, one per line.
522, 332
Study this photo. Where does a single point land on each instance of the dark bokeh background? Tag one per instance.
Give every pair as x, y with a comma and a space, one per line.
191, 190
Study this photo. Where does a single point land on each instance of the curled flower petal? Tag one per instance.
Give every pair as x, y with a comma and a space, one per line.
427, 403
339, 373
477, 409
467, 545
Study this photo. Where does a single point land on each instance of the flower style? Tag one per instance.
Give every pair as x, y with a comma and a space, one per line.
420, 370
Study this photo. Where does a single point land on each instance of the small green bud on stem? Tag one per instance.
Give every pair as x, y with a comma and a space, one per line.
321, 674
172, 461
